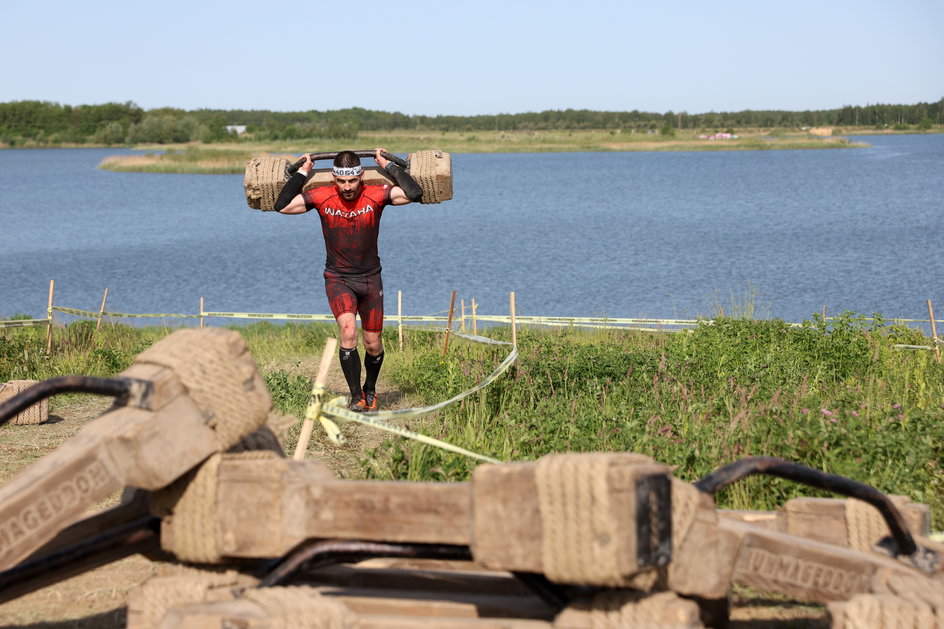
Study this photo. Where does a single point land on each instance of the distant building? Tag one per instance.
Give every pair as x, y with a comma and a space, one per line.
238, 128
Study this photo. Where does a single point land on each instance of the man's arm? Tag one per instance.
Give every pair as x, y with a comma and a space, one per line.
290, 199
406, 190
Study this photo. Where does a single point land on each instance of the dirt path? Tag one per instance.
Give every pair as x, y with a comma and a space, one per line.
344, 460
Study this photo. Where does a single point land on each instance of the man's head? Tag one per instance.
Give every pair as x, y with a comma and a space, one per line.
348, 175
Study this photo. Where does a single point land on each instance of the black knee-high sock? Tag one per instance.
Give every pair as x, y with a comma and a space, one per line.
372, 366
351, 366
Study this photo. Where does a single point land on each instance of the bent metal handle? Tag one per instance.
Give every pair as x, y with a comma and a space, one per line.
399, 161
771, 466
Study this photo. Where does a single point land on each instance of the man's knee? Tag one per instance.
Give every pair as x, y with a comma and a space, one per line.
373, 342
347, 329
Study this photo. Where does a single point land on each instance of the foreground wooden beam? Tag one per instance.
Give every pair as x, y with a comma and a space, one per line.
206, 394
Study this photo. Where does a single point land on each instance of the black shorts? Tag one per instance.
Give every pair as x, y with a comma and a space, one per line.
360, 294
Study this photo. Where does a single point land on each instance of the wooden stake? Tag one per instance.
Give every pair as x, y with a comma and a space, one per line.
452, 307
824, 312
514, 324
52, 290
475, 323
462, 320
331, 346
201, 312
400, 317
937, 346
101, 311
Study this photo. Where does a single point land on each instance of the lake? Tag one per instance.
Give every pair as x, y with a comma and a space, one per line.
668, 235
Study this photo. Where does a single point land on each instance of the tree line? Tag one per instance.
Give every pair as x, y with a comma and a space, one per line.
42, 123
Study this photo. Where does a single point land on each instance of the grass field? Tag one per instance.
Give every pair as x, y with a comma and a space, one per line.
231, 158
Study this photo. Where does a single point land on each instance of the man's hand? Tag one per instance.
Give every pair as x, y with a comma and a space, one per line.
306, 167
380, 159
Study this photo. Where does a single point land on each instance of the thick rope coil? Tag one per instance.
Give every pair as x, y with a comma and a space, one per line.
627, 609
884, 611
301, 608
684, 506
190, 504
580, 533
263, 180
423, 170
864, 524
269, 437
35, 414
918, 589
216, 368
148, 603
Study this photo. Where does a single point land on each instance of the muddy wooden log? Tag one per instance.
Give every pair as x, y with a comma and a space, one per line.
808, 570
609, 523
206, 394
266, 507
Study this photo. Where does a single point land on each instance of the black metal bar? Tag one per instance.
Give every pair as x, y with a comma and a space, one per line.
115, 387
328, 552
140, 536
360, 153
771, 466
549, 592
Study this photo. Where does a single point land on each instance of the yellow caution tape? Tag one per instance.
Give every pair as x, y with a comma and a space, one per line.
336, 409
25, 323
268, 315
95, 315
581, 321
593, 320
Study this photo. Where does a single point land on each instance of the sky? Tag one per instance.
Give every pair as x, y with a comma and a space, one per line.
454, 57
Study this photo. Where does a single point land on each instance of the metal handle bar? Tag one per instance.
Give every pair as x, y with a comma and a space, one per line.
399, 161
126, 390
733, 472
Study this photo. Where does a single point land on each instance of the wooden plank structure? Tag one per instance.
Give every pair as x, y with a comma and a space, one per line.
253, 539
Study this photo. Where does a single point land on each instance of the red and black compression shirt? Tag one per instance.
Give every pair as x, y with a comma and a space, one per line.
350, 228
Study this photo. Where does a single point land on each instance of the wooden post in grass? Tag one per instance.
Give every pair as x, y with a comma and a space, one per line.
462, 320
475, 323
452, 307
101, 311
201, 312
315, 409
937, 346
514, 324
824, 313
400, 317
52, 291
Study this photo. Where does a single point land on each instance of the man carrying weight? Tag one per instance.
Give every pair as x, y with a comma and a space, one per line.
350, 214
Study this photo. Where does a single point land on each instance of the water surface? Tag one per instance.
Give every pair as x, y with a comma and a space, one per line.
616, 234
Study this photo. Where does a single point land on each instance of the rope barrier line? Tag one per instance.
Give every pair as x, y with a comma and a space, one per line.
337, 410
25, 323
544, 320
95, 315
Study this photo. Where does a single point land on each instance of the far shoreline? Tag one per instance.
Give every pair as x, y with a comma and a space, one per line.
231, 157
